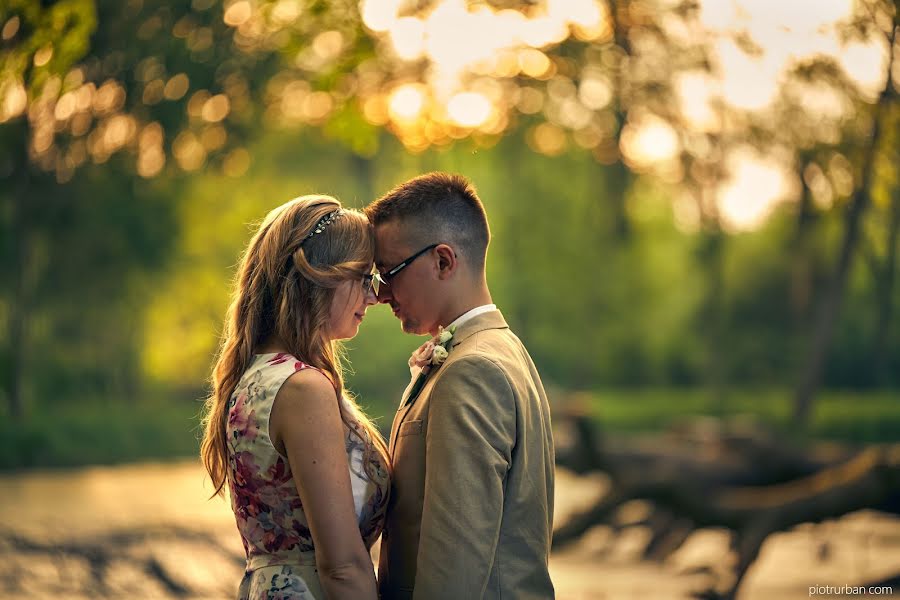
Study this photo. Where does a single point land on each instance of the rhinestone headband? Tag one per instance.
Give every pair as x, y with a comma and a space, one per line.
323, 223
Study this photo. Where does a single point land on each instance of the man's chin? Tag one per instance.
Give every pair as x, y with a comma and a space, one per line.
411, 327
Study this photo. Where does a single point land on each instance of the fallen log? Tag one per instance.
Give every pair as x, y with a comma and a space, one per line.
714, 488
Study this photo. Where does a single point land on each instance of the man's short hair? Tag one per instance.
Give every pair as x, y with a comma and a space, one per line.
437, 207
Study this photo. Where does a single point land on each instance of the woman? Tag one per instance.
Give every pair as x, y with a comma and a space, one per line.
307, 472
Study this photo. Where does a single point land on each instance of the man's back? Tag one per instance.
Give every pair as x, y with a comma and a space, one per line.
472, 505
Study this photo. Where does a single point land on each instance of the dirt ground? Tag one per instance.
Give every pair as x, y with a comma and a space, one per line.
155, 518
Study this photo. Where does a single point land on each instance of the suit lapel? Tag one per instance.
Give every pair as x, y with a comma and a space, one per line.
403, 410
398, 420
489, 320
412, 391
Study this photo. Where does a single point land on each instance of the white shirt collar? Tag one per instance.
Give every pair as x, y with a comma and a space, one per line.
478, 310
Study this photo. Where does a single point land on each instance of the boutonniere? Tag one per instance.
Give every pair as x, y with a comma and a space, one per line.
428, 356
434, 352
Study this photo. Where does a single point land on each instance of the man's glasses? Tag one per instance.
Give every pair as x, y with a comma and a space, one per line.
385, 278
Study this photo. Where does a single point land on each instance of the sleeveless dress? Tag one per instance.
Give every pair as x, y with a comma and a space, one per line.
281, 561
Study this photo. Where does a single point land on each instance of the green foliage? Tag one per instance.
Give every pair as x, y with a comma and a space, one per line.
593, 311
62, 28
843, 416
110, 431
101, 431
121, 283
90, 264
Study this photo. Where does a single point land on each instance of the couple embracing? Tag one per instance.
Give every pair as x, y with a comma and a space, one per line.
462, 494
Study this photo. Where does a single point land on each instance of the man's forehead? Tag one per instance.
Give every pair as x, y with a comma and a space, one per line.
390, 242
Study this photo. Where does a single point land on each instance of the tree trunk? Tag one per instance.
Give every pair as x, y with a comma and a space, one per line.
364, 172
713, 317
618, 179
811, 373
735, 479
618, 175
16, 343
801, 254
886, 294
710, 255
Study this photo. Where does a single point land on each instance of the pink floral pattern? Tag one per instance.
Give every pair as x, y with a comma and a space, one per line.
266, 505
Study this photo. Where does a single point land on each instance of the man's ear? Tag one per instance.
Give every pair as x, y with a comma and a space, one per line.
447, 261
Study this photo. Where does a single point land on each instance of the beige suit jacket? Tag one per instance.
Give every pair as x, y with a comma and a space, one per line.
471, 507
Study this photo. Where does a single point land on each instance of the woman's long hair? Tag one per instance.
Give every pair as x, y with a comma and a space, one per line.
284, 289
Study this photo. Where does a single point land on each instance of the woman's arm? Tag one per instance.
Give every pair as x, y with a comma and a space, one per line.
306, 426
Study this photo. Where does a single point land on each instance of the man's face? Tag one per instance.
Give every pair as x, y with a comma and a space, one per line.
413, 292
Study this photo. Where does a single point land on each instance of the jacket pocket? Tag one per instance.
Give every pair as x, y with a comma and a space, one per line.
413, 427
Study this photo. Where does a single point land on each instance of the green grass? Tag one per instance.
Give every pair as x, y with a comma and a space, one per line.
849, 416
96, 432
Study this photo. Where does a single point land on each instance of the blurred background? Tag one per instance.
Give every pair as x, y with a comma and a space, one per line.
695, 208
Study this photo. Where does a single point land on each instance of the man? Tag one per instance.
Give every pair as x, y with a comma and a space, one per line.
472, 503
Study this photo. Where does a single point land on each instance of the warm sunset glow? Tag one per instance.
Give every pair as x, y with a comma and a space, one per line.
286, 12
238, 13
43, 56
328, 45
406, 102
695, 95
11, 28
379, 14
787, 34
176, 87
595, 91
151, 158
534, 63
753, 189
189, 152
458, 40
469, 109
547, 139
866, 64
445, 70
467, 61
14, 99
408, 37
216, 108
748, 83
648, 140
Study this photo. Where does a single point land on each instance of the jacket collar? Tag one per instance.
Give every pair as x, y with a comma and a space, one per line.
489, 320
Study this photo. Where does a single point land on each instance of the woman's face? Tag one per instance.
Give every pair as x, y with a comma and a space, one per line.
348, 308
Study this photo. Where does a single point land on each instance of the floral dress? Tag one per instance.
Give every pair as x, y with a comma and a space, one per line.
279, 547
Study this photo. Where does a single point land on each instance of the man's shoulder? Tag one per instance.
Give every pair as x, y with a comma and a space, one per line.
496, 345
496, 352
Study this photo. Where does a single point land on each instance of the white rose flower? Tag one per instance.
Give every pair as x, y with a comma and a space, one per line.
439, 356
444, 336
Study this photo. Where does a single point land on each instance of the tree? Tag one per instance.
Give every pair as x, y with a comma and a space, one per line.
114, 91
829, 309
607, 77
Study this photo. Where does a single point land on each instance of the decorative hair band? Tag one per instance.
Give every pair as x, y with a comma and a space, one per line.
323, 223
